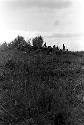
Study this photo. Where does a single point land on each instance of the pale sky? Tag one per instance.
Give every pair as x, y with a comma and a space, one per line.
58, 21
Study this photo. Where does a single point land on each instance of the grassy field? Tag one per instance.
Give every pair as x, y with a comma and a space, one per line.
41, 89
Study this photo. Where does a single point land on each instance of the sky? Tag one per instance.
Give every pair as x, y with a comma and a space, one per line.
58, 21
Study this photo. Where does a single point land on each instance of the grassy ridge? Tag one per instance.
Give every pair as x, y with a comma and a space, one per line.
41, 89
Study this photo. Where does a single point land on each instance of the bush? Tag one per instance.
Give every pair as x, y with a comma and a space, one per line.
37, 42
18, 43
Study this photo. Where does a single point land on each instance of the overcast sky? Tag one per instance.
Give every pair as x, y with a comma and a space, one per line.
58, 21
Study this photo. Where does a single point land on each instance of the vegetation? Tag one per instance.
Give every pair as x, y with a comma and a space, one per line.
40, 85
37, 42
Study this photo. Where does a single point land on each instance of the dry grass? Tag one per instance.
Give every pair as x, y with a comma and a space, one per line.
41, 89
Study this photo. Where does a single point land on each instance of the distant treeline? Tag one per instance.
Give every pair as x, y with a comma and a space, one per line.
36, 44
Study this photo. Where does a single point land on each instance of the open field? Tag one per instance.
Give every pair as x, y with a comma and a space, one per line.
41, 89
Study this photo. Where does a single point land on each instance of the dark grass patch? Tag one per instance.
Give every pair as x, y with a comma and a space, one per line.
32, 89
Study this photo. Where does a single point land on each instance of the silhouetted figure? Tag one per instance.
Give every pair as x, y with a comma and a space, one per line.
54, 49
45, 45
63, 47
49, 50
57, 48
54, 46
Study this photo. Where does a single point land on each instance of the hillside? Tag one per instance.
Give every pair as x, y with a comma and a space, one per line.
40, 88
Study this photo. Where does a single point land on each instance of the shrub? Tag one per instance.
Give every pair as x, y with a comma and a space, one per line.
37, 42
18, 43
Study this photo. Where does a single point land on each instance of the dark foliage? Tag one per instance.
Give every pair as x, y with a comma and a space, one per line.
37, 42
19, 43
